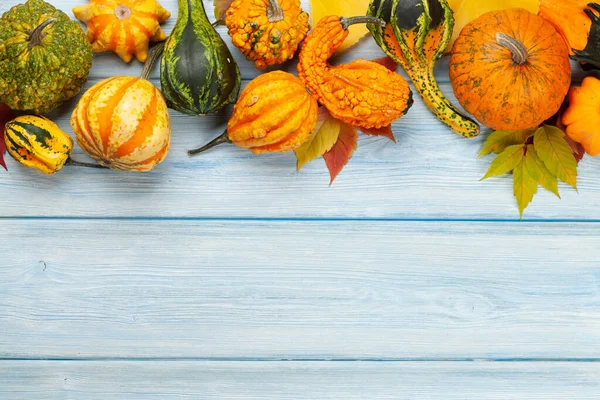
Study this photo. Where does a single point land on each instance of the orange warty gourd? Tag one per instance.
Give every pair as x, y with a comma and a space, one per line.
510, 69
363, 93
582, 118
267, 31
123, 123
274, 114
123, 26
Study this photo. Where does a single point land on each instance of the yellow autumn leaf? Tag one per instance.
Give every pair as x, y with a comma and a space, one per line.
321, 141
343, 8
466, 11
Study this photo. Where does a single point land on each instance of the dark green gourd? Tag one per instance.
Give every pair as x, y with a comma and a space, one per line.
198, 74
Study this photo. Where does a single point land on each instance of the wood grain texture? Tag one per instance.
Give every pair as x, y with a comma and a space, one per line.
429, 173
43, 380
298, 290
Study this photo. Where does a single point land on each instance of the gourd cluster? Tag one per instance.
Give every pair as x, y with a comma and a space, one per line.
509, 70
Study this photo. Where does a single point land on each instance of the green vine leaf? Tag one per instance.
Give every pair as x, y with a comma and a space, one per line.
525, 185
537, 169
506, 161
557, 155
498, 141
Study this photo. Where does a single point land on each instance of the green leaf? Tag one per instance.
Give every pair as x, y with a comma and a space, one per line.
537, 169
506, 161
498, 141
525, 185
321, 141
557, 155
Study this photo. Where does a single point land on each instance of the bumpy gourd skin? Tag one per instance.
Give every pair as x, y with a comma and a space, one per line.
265, 33
362, 93
274, 113
37, 142
40, 78
582, 118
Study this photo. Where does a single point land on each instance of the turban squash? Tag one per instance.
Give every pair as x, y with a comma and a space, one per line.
510, 69
123, 123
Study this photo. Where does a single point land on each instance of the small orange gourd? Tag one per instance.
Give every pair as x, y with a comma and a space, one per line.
123, 123
267, 31
274, 113
510, 69
582, 118
123, 26
363, 93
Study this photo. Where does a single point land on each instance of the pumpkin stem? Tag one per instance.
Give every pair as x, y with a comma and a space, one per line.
520, 55
223, 138
274, 11
36, 35
70, 161
153, 57
346, 22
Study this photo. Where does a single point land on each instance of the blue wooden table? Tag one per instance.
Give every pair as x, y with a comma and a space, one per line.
230, 276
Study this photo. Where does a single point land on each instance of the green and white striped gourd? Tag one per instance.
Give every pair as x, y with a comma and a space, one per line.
198, 74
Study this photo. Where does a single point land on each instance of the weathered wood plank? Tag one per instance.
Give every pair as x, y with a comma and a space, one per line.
309, 290
52, 380
429, 173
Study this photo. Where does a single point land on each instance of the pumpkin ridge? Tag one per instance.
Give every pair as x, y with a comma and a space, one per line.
100, 23
141, 28
105, 121
144, 129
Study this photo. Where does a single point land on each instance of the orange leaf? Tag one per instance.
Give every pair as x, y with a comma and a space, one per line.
342, 150
386, 131
388, 63
5, 115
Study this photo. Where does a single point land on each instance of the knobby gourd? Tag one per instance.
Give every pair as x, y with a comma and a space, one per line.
44, 57
415, 36
578, 21
267, 31
198, 74
274, 113
36, 142
510, 69
362, 93
582, 118
123, 26
123, 123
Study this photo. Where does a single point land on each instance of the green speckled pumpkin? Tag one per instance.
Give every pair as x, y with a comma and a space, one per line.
198, 74
44, 57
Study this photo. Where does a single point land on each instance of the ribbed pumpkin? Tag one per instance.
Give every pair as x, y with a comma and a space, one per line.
274, 113
510, 69
582, 118
267, 31
123, 123
123, 26
37, 142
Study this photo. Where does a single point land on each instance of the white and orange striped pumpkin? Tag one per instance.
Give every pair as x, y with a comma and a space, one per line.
123, 123
123, 26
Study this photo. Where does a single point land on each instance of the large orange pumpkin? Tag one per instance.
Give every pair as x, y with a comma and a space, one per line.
510, 69
123, 123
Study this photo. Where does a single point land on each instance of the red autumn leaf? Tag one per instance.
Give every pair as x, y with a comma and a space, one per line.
5, 115
221, 7
387, 62
578, 150
342, 150
386, 131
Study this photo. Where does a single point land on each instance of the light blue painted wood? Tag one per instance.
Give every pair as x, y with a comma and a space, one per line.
298, 380
299, 290
429, 173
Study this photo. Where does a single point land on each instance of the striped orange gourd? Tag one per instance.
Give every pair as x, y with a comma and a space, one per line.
123, 123
123, 26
